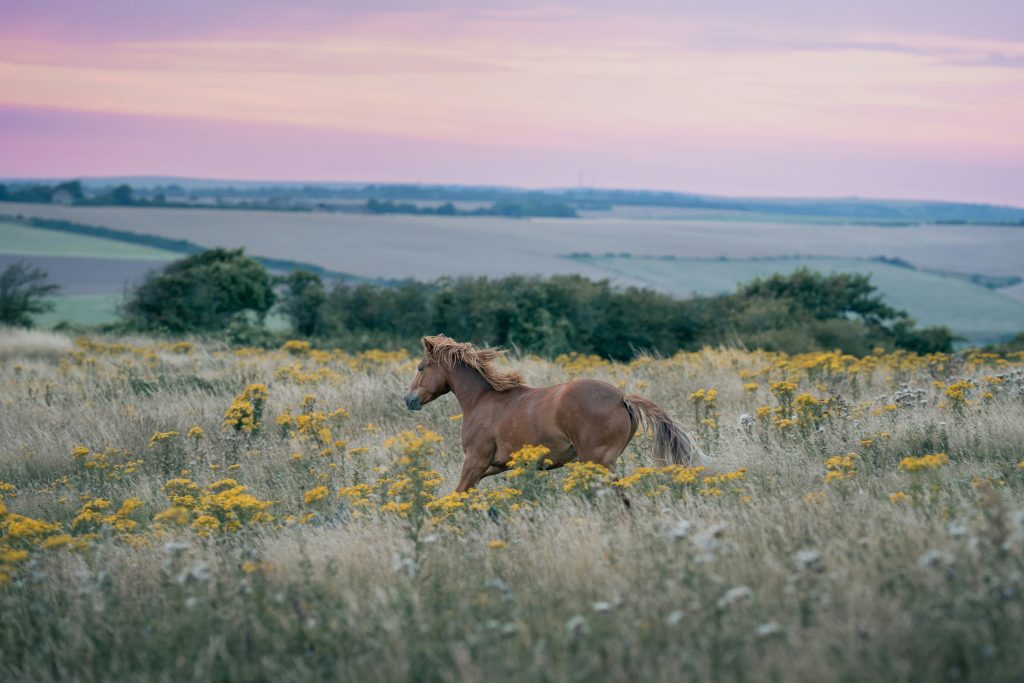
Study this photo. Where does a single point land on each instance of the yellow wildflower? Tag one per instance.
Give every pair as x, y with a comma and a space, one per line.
314, 495
160, 437
925, 462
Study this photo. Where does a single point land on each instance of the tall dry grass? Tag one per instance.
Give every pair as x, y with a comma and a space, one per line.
880, 574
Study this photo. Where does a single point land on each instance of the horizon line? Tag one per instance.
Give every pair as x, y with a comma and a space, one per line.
521, 188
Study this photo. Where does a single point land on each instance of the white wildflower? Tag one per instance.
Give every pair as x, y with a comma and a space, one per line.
735, 595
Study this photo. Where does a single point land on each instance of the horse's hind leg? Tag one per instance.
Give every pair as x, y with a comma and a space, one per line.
604, 442
604, 446
607, 456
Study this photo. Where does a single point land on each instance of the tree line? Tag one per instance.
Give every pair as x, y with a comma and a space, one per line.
528, 206
224, 291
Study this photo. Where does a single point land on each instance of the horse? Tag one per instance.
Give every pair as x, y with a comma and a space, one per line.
586, 419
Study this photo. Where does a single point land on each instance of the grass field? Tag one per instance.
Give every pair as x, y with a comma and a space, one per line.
21, 240
81, 309
174, 511
979, 314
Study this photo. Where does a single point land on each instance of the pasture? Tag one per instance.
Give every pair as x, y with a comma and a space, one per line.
179, 510
81, 309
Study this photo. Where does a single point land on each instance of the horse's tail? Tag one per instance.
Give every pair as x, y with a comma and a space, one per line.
671, 442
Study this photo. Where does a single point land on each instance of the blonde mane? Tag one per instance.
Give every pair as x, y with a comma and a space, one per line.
448, 353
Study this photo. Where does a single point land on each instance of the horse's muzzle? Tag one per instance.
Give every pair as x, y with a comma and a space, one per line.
412, 402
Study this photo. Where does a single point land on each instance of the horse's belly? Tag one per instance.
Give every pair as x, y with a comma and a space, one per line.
534, 420
559, 447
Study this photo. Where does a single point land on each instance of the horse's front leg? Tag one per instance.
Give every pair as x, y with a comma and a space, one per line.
475, 467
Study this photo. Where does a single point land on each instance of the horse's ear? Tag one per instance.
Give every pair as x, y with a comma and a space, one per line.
428, 344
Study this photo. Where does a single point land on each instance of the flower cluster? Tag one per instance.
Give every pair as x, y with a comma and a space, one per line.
94, 515
246, 410
924, 462
840, 467
312, 426
224, 505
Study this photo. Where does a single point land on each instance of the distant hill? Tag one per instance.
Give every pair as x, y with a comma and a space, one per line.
838, 209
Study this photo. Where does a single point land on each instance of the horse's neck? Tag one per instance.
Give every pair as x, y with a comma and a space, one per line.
468, 386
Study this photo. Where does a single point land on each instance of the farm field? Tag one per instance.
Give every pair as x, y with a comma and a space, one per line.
92, 272
177, 510
712, 252
979, 314
427, 247
22, 240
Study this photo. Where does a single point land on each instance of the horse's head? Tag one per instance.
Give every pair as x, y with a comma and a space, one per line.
431, 380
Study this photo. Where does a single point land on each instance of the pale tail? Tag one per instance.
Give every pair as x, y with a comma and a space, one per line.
671, 442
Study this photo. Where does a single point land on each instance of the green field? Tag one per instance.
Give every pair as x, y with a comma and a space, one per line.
21, 240
972, 311
81, 309
96, 309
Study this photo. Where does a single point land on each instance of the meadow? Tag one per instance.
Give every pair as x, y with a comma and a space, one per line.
180, 510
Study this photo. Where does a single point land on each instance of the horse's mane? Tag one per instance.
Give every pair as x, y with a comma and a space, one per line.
449, 353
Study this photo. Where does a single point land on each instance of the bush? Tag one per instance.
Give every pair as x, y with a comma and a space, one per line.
23, 293
303, 302
203, 292
805, 311
801, 312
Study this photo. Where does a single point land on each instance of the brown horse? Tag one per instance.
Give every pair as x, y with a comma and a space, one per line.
585, 419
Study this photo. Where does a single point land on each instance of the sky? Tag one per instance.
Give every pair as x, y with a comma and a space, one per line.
920, 99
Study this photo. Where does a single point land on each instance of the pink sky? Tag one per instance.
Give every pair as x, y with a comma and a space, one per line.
803, 97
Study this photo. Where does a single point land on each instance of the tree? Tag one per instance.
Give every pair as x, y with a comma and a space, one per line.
23, 293
203, 292
303, 302
73, 188
122, 195
838, 295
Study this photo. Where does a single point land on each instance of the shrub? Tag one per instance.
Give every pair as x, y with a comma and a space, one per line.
202, 292
23, 293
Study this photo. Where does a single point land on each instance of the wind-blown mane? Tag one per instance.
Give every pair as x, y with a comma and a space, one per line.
448, 353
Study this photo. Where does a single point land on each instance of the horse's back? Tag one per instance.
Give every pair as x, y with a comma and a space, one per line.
592, 395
